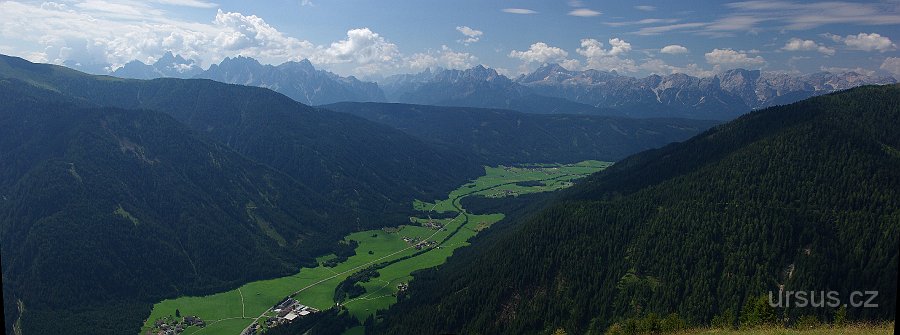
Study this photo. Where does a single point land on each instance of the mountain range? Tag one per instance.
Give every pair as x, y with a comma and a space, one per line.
298, 80
550, 89
192, 186
721, 97
167, 66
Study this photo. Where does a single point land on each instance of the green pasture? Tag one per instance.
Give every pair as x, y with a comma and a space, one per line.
225, 313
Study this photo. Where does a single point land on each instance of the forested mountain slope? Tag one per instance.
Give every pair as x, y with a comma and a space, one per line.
105, 210
501, 136
804, 197
367, 166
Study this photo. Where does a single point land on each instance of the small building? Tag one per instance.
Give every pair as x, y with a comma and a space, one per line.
291, 316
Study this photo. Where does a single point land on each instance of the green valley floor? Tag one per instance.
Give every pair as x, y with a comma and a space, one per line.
395, 253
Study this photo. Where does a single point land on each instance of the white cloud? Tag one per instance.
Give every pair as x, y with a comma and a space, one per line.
106, 35
657, 66
253, 36
444, 58
865, 42
892, 65
607, 59
584, 12
758, 15
594, 48
570, 64
645, 8
188, 3
522, 11
796, 44
801, 16
737, 23
540, 52
640, 22
472, 35
363, 47
729, 58
674, 49
656, 30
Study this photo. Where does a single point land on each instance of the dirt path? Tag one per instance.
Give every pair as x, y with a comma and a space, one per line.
243, 315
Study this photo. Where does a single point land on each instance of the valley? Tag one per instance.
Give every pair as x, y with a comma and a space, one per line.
427, 240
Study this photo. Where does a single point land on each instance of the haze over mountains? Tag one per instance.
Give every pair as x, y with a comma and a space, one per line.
550, 89
212, 175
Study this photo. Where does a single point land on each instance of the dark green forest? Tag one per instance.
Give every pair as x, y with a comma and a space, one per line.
498, 136
804, 197
106, 210
366, 166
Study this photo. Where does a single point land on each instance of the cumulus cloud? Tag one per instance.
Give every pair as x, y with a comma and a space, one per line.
251, 34
471, 35
444, 58
892, 65
865, 42
522, 11
729, 58
594, 48
540, 52
674, 49
361, 46
657, 66
600, 58
584, 12
570, 64
108, 35
796, 44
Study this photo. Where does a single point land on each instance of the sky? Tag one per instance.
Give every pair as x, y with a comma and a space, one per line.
373, 39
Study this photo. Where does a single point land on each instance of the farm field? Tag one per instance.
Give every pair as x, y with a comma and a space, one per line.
393, 248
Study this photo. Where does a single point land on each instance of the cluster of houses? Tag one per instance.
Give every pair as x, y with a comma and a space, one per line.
286, 312
172, 326
503, 193
547, 170
419, 245
431, 223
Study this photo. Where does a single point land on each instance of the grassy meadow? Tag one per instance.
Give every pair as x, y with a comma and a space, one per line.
230, 312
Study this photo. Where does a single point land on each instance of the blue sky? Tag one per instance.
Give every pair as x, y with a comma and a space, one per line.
376, 38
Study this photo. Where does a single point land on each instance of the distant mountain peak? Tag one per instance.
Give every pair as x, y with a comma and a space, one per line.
480, 72
240, 60
299, 80
168, 65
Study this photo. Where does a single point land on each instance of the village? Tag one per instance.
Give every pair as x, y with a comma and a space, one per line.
174, 326
419, 245
287, 311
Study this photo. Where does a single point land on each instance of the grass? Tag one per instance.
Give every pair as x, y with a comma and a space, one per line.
858, 329
227, 313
